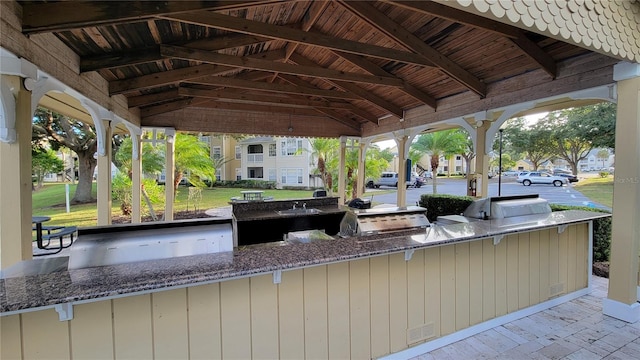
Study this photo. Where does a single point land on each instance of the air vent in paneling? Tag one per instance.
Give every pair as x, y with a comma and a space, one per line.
420, 333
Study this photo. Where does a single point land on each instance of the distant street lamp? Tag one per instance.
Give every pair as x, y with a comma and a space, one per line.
500, 165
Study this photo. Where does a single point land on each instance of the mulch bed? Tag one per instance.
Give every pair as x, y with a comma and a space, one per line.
601, 269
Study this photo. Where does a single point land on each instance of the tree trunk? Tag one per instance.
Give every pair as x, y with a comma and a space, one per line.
86, 166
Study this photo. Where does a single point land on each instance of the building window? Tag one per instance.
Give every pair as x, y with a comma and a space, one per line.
291, 176
238, 153
272, 149
273, 176
254, 149
291, 147
254, 153
217, 152
255, 173
458, 157
238, 174
218, 174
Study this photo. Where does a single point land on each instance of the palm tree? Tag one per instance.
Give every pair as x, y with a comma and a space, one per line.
437, 144
603, 155
324, 150
191, 157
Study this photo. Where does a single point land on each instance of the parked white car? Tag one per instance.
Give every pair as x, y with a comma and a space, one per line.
536, 177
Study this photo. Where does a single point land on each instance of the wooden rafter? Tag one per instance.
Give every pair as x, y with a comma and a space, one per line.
286, 33
67, 15
150, 99
517, 36
136, 57
171, 106
253, 63
401, 35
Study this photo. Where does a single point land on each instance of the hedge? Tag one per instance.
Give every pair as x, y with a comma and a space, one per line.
442, 204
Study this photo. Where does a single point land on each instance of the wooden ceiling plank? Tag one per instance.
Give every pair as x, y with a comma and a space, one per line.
515, 34
354, 89
340, 118
264, 86
38, 17
236, 24
175, 76
150, 99
394, 31
533, 51
374, 69
227, 94
171, 106
265, 65
131, 58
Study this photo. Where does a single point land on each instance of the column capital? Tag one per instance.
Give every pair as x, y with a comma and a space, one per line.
625, 71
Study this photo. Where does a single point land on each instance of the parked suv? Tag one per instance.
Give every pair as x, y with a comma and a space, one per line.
390, 178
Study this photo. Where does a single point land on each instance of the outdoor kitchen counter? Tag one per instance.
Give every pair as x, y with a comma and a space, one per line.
33, 287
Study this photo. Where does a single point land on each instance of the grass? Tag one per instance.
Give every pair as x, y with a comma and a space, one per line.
50, 201
597, 189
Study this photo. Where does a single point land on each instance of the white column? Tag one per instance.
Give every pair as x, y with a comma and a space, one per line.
481, 161
362, 154
622, 297
403, 151
169, 171
104, 175
15, 174
341, 171
136, 179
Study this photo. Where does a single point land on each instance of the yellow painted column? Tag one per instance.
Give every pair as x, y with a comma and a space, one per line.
104, 178
402, 173
622, 298
341, 171
481, 162
136, 181
169, 171
15, 179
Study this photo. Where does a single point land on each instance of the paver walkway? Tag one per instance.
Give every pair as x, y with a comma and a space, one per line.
573, 330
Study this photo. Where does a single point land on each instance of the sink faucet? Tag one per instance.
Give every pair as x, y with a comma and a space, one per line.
294, 204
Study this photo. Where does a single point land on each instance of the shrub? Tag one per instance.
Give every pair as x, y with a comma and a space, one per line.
603, 174
442, 204
601, 231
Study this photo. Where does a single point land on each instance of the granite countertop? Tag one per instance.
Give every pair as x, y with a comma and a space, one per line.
273, 214
44, 283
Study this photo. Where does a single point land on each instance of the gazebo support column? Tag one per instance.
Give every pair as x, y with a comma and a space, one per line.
170, 136
104, 176
362, 154
481, 160
403, 150
15, 177
341, 171
622, 299
136, 175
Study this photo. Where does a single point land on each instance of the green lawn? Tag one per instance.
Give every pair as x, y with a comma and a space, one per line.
50, 201
599, 190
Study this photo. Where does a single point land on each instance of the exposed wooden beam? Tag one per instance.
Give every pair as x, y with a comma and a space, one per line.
401, 35
363, 94
171, 106
278, 88
516, 35
178, 75
374, 69
236, 24
266, 65
150, 99
115, 60
68, 15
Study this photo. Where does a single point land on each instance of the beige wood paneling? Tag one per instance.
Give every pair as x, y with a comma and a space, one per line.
291, 315
236, 319
432, 285
44, 336
87, 340
338, 310
204, 322
359, 308
170, 329
397, 302
380, 308
462, 286
447, 290
315, 313
264, 320
133, 327
523, 270
488, 279
10, 341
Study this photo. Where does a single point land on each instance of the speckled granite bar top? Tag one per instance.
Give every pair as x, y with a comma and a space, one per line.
263, 210
42, 290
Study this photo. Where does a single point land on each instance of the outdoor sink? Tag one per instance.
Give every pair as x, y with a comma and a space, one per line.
301, 211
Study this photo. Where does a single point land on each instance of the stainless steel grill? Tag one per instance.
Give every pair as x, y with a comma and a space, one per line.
500, 208
118, 245
382, 220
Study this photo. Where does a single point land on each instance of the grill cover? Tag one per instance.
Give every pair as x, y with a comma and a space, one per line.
381, 220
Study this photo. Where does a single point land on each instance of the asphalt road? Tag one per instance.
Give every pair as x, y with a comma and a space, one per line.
566, 195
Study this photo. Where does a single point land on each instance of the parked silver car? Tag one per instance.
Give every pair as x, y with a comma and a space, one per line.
537, 177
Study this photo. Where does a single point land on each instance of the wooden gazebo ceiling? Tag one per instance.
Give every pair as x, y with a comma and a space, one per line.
351, 61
